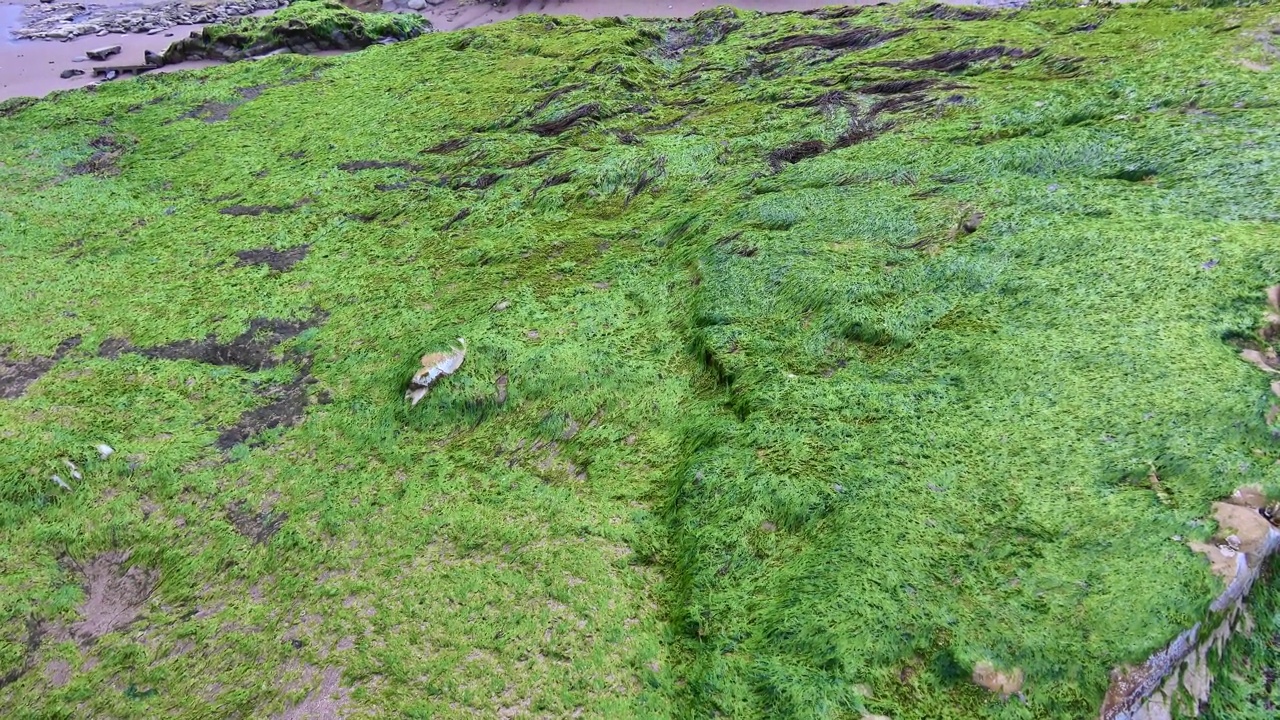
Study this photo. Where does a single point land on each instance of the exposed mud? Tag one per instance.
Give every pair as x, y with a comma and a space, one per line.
590, 111
896, 87
326, 702
705, 28
853, 40
115, 594
551, 97
213, 112
540, 155
953, 61
256, 210
795, 153
17, 375
552, 181
457, 218
107, 150
259, 527
358, 165
939, 11
447, 146
278, 260
286, 409
35, 638
252, 350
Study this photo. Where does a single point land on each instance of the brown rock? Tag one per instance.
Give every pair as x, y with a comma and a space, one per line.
998, 681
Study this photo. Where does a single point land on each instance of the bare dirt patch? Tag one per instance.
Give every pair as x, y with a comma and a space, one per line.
107, 150
259, 527
213, 112
17, 375
326, 702
938, 11
114, 594
590, 111
253, 349
287, 408
278, 260
358, 165
256, 210
447, 146
953, 61
795, 153
35, 637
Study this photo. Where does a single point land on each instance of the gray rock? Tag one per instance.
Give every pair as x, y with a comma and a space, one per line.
151, 58
79, 58
416, 4
66, 74
102, 53
112, 75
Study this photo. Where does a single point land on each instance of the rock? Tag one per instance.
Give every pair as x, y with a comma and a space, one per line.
416, 4
151, 58
79, 58
67, 74
102, 53
997, 681
111, 75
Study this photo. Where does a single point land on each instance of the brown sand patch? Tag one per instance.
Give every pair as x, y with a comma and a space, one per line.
328, 701
114, 594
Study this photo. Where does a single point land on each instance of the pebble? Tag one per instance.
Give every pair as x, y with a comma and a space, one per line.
416, 4
67, 74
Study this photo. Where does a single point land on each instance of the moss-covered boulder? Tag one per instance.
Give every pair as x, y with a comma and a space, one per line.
305, 26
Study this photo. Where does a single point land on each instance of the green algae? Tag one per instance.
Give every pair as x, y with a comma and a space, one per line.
777, 402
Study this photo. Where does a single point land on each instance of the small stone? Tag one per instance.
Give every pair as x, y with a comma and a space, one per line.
533, 335
416, 4
111, 75
70, 73
79, 58
105, 451
502, 306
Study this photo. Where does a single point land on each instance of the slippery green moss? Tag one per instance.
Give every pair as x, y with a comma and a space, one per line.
803, 375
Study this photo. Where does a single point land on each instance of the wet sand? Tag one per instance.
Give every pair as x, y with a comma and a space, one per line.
32, 67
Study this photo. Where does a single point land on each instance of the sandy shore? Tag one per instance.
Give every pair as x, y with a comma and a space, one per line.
33, 67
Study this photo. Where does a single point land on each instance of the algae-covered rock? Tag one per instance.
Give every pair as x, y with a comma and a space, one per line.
305, 26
